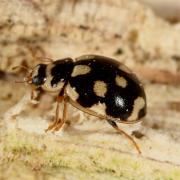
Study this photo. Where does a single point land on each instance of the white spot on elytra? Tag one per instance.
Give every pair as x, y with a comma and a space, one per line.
80, 70
100, 88
121, 81
71, 92
138, 105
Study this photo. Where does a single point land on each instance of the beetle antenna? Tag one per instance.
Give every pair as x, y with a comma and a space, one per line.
20, 81
21, 66
45, 59
23, 81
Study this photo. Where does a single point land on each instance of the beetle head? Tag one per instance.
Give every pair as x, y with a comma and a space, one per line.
36, 76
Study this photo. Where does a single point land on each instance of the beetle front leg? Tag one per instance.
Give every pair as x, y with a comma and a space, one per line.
60, 122
33, 94
56, 119
115, 126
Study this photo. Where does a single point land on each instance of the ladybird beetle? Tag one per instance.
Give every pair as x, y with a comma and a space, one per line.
97, 85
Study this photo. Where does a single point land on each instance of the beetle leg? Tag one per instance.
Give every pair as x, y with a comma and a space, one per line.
115, 126
60, 122
33, 96
56, 119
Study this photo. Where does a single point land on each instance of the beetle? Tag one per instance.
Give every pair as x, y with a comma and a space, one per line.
97, 85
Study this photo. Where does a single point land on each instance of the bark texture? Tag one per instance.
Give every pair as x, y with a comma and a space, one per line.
88, 147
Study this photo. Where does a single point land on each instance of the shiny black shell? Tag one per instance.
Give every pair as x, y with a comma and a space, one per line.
118, 98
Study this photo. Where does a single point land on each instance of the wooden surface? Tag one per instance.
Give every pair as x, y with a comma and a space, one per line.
88, 147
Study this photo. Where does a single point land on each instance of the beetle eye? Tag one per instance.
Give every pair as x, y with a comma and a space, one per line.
36, 80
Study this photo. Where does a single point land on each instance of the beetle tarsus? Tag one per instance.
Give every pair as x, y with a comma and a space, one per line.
58, 122
115, 126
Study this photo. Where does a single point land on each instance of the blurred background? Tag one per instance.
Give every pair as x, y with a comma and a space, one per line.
166, 9
144, 35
